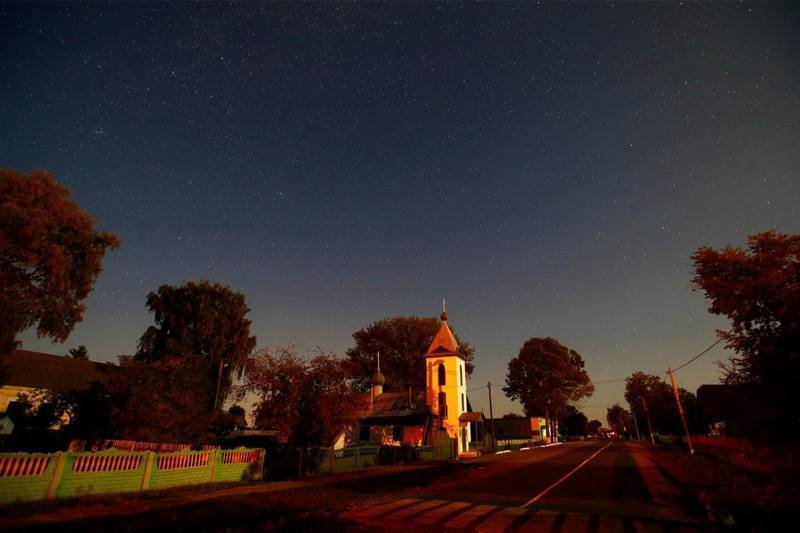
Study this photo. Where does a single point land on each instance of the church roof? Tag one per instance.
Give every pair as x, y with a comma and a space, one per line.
392, 407
444, 343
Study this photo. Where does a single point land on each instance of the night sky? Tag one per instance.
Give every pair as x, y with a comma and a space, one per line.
548, 169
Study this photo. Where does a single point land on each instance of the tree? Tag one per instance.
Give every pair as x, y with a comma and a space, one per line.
158, 401
308, 402
84, 413
653, 403
401, 342
594, 427
203, 320
645, 394
79, 353
50, 257
758, 289
545, 377
617, 417
572, 422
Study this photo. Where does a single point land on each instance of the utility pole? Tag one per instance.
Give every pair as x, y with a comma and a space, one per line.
649, 425
222, 365
636, 425
680, 410
491, 417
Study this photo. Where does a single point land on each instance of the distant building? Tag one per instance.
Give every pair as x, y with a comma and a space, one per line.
732, 410
532, 428
25, 372
413, 417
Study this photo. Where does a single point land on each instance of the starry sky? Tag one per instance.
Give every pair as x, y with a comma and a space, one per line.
549, 169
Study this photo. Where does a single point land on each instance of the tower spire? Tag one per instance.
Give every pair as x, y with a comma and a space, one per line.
378, 379
444, 310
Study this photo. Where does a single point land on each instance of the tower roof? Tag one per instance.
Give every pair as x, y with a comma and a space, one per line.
444, 343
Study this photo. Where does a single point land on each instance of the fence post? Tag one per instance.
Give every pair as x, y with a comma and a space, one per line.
52, 488
149, 458
262, 456
214, 457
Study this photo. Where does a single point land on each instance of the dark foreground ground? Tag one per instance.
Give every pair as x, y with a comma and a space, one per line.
593, 486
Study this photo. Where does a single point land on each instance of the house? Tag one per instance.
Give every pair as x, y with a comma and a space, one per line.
532, 428
733, 410
24, 372
414, 417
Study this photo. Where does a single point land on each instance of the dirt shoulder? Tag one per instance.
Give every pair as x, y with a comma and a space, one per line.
757, 495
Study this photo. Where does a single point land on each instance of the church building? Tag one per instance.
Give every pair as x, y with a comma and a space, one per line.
414, 417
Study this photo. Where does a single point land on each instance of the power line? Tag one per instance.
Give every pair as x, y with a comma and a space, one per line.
615, 380
698, 356
687, 363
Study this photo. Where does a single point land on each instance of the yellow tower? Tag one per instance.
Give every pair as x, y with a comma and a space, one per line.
446, 383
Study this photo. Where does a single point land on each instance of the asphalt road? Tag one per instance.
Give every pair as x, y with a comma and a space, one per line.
593, 486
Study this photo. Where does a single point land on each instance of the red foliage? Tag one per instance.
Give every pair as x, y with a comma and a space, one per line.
50, 257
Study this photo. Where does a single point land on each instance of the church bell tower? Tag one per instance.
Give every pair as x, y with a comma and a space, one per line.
446, 384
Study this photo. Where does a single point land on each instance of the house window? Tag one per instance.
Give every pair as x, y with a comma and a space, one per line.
441, 375
461, 369
443, 405
463, 404
363, 434
397, 433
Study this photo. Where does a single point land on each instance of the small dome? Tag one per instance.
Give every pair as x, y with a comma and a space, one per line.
378, 379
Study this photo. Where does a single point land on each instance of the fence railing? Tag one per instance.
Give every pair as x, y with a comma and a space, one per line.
143, 446
67, 474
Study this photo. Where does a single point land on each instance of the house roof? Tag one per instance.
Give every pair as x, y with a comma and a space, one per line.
471, 416
47, 371
392, 406
444, 343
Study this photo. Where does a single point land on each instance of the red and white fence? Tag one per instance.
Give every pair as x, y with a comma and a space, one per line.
33, 465
106, 463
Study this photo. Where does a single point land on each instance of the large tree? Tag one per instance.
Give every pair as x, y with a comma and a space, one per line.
653, 403
401, 341
546, 376
758, 289
158, 401
308, 401
203, 320
50, 257
573, 422
645, 394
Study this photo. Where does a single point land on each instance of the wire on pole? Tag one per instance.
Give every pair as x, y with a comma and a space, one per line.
698, 356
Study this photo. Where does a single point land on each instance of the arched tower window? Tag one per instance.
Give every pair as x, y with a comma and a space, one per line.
441, 375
